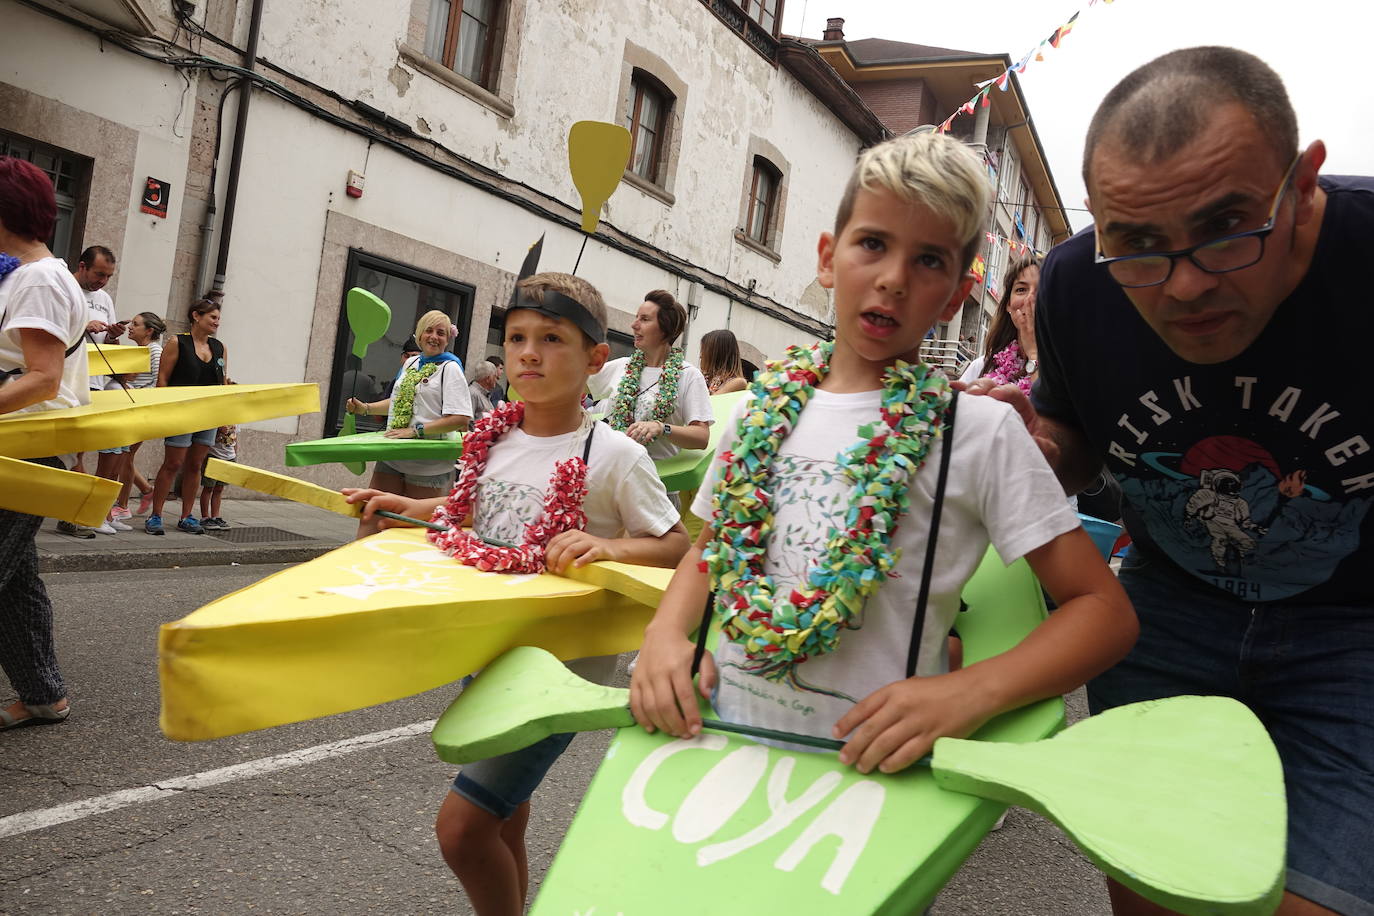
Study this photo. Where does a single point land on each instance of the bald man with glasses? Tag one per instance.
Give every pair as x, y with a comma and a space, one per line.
1206, 341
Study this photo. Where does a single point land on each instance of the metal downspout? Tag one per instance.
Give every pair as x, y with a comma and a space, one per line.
231, 191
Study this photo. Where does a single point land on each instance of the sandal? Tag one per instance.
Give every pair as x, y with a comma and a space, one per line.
38, 715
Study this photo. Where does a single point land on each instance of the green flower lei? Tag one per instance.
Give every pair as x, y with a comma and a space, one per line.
403, 401
627, 392
778, 633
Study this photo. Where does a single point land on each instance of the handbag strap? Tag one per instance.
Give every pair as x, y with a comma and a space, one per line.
918, 626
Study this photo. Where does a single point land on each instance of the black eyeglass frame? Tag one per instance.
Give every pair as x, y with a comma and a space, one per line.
1260, 233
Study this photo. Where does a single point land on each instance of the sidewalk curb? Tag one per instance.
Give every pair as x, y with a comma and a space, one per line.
163, 559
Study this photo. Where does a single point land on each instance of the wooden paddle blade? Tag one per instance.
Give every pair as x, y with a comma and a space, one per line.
598, 154
1181, 800
524, 696
368, 318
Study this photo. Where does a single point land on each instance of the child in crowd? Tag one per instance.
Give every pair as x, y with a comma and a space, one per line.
818, 583
211, 490
516, 464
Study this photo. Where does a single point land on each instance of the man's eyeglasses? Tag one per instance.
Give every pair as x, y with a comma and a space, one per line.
1219, 256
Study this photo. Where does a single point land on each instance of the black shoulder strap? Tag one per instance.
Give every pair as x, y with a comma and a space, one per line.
587, 446
918, 626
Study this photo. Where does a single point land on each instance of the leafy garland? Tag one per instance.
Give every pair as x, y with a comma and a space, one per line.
778, 633
627, 392
403, 401
1010, 367
562, 503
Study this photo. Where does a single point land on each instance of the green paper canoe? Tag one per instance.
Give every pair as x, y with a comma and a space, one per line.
727, 825
372, 446
687, 469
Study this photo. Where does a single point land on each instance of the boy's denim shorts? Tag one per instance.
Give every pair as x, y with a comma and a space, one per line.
1307, 672
499, 785
432, 481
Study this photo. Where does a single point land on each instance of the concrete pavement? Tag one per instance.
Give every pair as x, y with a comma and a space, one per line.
262, 531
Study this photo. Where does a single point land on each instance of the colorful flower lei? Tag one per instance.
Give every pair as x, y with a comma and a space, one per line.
8, 263
778, 633
562, 503
1010, 367
622, 412
403, 401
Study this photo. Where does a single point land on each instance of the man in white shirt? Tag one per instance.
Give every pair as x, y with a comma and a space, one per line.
93, 271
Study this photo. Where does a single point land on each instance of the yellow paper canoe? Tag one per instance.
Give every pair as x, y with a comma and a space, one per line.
115, 418
38, 490
281, 486
113, 358
376, 620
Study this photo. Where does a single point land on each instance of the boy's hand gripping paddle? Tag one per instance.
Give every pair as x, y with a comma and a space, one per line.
1181, 800
368, 319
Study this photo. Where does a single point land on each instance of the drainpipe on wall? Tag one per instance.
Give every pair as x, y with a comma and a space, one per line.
231, 191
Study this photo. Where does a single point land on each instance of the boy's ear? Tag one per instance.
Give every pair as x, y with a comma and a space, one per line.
597, 356
825, 260
960, 294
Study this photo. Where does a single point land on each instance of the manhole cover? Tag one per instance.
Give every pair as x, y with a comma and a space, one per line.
256, 534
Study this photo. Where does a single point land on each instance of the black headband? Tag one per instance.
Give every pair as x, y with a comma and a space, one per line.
557, 305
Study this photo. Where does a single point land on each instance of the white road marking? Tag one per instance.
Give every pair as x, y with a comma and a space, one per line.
28, 821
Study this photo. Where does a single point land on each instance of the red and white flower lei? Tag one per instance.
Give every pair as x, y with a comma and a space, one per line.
562, 503
1010, 367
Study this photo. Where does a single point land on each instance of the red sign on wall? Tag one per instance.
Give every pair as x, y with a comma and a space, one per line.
155, 194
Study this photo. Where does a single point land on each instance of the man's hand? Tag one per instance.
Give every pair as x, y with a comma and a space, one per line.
661, 694
578, 548
114, 331
392, 502
405, 432
95, 326
896, 725
1013, 395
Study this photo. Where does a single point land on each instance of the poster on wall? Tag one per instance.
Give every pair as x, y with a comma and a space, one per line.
155, 194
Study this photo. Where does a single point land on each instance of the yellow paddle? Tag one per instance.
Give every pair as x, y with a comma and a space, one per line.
597, 155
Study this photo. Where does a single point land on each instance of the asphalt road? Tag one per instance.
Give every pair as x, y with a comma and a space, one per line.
344, 834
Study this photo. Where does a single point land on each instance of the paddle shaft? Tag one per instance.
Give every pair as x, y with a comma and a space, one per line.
434, 526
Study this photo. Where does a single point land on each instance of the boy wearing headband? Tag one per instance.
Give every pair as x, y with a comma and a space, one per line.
554, 340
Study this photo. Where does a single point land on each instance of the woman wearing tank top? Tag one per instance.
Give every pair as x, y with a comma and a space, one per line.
188, 360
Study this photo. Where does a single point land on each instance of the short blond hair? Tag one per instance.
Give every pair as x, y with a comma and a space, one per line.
932, 169
574, 288
430, 319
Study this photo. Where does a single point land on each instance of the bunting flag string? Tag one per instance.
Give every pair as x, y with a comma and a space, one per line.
983, 97
1014, 246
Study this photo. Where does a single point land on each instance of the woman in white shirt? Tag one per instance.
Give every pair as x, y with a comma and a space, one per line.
654, 396
430, 398
42, 367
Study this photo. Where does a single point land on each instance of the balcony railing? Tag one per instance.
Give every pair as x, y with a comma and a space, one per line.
754, 35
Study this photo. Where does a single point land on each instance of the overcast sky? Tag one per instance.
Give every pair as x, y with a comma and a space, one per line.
1319, 47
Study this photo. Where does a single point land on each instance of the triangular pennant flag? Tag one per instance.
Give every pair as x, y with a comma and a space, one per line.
1040, 52
985, 83
1003, 80
987, 99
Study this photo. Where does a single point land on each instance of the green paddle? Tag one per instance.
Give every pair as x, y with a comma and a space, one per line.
368, 319
1181, 800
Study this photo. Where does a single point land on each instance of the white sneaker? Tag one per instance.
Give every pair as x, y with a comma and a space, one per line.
117, 524
104, 528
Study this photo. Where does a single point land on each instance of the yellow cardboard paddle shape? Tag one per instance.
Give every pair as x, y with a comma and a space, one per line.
597, 155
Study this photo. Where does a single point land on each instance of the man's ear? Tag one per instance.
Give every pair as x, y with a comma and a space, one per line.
597, 356
1305, 180
825, 260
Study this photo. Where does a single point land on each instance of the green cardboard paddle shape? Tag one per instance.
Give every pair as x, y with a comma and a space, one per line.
598, 153
1181, 800
368, 319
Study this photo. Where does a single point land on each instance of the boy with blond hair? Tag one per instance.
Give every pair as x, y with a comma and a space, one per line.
514, 467
814, 561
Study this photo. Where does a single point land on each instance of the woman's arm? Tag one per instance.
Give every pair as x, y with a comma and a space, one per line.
738, 383
694, 435
42, 378
168, 362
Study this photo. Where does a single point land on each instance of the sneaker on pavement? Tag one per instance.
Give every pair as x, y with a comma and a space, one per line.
145, 503
104, 528
153, 525
75, 531
190, 525
117, 524
214, 522
120, 512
